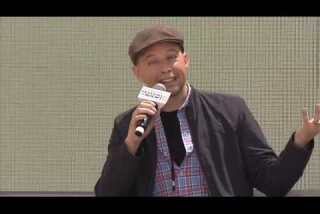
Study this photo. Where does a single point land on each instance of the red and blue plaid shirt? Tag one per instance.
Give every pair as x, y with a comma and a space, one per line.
189, 177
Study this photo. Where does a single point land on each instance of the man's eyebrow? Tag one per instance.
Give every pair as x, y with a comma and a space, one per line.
148, 56
170, 50
173, 50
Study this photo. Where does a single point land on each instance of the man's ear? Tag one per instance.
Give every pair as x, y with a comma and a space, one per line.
135, 72
186, 59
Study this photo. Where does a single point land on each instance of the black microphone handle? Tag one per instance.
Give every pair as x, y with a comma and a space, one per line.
143, 124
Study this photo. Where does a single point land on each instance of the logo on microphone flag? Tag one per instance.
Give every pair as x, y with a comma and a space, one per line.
158, 96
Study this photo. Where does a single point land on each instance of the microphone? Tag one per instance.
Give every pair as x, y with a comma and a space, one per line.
156, 94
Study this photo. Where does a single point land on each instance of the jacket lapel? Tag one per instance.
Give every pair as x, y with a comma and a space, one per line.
208, 136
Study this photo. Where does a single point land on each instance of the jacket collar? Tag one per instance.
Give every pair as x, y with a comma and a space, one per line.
191, 104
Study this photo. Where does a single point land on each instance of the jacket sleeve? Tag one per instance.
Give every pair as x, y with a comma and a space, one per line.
271, 174
120, 169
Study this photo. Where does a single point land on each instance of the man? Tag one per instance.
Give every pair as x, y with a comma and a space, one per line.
200, 143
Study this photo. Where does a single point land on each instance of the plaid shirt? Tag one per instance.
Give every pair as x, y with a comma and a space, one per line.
189, 179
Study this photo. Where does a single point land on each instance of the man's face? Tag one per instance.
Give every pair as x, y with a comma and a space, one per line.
163, 63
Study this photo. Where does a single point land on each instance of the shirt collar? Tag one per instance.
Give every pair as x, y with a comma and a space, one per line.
187, 98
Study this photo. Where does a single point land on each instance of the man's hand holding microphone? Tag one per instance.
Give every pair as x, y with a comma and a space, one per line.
142, 120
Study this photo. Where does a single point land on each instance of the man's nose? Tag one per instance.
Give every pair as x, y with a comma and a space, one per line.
166, 67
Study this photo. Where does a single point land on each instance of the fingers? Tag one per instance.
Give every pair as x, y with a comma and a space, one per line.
143, 109
305, 116
140, 117
148, 104
146, 108
317, 114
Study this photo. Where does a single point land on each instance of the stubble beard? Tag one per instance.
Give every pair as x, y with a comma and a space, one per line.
179, 92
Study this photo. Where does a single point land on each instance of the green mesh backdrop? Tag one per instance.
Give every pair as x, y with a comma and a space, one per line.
64, 79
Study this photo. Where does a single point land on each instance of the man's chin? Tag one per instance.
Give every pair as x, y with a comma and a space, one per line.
173, 91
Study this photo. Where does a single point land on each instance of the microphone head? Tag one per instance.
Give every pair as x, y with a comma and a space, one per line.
159, 86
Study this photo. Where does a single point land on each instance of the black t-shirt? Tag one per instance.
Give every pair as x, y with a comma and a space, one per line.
172, 130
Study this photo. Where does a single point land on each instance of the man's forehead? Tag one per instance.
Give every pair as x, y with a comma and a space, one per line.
159, 49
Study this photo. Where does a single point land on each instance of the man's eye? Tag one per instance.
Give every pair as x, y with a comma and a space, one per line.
153, 62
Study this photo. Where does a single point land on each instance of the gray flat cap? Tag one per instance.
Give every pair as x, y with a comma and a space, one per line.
151, 35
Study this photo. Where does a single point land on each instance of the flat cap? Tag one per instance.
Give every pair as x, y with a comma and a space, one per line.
151, 35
